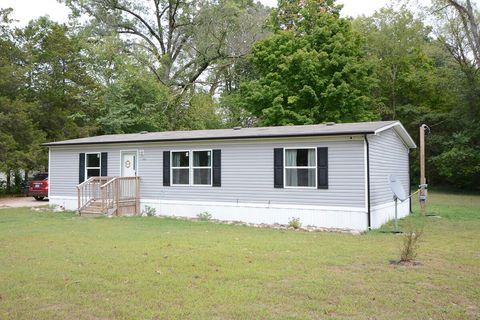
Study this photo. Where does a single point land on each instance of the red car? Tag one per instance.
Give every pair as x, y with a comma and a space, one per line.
38, 187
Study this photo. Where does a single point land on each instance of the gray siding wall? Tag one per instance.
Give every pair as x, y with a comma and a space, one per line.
247, 172
388, 155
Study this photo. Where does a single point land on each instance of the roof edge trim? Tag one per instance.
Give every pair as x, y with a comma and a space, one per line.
55, 144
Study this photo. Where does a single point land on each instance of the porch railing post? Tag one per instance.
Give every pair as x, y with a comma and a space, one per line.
78, 199
117, 195
137, 196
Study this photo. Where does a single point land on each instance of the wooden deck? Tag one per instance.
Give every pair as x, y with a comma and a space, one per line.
109, 196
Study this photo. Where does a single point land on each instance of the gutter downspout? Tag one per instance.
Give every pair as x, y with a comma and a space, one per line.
409, 185
369, 216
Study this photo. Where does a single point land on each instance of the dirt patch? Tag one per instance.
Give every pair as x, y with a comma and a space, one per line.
406, 263
17, 202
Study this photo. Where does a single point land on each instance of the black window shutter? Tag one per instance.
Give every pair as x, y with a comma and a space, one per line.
322, 168
81, 168
278, 167
166, 168
217, 168
104, 164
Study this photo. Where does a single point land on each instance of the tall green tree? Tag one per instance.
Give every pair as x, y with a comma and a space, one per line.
20, 135
134, 102
313, 69
56, 77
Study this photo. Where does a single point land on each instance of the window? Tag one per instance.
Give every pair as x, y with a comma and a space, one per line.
92, 166
192, 170
300, 168
202, 168
40, 176
180, 168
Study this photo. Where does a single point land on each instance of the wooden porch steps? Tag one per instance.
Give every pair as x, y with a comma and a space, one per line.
100, 196
93, 209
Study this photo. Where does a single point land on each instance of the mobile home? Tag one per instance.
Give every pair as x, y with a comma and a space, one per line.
327, 175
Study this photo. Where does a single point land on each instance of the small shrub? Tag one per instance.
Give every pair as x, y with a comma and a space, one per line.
204, 216
409, 248
149, 211
294, 223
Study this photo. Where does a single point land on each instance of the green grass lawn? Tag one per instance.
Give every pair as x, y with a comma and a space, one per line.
60, 266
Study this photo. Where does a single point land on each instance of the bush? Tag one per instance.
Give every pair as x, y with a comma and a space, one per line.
409, 248
149, 211
204, 216
294, 223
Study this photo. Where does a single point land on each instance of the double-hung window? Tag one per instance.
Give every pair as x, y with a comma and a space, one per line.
300, 168
192, 168
92, 165
202, 167
181, 168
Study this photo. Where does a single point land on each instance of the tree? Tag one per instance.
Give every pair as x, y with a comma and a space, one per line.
310, 71
397, 46
56, 78
134, 102
186, 44
20, 138
468, 17
202, 113
457, 28
183, 37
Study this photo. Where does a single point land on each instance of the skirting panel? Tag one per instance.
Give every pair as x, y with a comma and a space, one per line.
327, 217
69, 203
385, 212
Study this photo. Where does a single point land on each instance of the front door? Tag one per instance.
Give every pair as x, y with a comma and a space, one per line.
129, 164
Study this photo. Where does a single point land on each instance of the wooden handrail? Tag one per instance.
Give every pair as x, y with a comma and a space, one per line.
108, 182
85, 182
110, 191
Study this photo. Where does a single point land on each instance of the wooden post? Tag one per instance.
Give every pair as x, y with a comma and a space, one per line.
137, 196
78, 199
117, 195
423, 181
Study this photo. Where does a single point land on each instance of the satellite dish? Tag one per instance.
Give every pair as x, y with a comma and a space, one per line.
397, 188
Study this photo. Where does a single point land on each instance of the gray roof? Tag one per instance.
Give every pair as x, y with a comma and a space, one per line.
241, 133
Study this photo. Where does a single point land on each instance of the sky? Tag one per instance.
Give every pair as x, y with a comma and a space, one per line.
25, 10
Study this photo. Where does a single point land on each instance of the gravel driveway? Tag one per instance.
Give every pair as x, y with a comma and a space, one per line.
16, 202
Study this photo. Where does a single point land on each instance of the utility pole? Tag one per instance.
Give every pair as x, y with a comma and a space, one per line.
422, 196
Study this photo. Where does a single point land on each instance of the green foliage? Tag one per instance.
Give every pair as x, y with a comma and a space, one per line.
459, 161
134, 102
57, 78
421, 82
397, 44
149, 211
204, 216
311, 74
201, 113
294, 223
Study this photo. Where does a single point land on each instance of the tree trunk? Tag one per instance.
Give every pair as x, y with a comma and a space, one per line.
17, 180
7, 173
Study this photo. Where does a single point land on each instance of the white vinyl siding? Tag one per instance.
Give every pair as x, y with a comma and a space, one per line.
247, 171
388, 155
